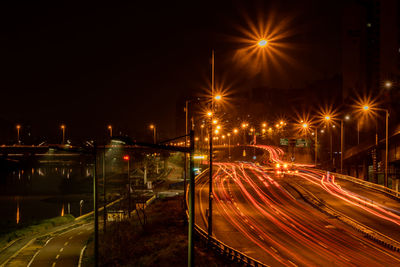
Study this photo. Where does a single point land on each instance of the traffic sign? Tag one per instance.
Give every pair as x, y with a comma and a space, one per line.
284, 142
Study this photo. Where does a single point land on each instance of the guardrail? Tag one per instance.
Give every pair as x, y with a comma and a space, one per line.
367, 184
218, 246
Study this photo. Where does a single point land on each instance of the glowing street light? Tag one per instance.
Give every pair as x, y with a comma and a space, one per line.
63, 133
262, 43
110, 129
18, 128
218, 97
365, 108
235, 131
305, 125
388, 84
209, 114
154, 128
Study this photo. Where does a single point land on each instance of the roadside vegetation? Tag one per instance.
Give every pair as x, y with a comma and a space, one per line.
161, 242
35, 228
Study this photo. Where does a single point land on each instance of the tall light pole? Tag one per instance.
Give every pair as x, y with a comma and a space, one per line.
316, 147
127, 159
229, 146
367, 108
63, 133
210, 194
154, 128
18, 128
109, 127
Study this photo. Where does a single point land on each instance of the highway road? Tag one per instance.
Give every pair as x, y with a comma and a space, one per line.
256, 213
64, 249
369, 207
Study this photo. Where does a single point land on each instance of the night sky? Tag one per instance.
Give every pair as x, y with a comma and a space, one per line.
126, 64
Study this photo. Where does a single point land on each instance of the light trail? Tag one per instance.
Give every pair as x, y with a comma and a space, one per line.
259, 208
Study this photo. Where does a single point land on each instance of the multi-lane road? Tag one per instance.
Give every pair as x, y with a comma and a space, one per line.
257, 211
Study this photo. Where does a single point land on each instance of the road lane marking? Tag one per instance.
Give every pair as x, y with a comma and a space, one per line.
274, 249
81, 256
34, 256
66, 243
70, 237
48, 240
54, 264
61, 249
58, 255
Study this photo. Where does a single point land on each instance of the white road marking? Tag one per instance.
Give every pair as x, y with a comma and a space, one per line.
70, 237
30, 262
66, 243
81, 256
61, 249
58, 255
48, 240
54, 264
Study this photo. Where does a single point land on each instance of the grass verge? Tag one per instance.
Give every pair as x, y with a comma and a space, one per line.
161, 242
35, 228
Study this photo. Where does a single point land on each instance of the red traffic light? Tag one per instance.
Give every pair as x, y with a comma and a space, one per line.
126, 157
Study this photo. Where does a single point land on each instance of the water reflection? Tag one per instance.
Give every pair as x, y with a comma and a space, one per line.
17, 219
33, 193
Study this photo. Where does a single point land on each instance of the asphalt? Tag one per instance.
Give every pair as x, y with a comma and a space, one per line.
64, 249
255, 213
372, 220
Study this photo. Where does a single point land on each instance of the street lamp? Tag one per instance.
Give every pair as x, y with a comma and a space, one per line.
110, 129
229, 145
366, 108
18, 128
127, 159
153, 127
262, 43
63, 133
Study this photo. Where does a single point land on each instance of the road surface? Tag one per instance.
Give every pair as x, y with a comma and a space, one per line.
254, 213
64, 249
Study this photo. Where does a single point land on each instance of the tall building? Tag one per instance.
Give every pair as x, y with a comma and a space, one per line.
370, 46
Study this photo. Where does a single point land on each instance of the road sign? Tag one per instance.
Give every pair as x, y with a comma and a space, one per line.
301, 143
284, 142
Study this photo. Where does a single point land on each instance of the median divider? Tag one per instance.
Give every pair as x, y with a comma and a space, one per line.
218, 246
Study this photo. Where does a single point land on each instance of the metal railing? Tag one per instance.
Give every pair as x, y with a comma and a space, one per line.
218, 246
378, 187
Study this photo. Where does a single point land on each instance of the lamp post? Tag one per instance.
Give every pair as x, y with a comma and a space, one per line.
127, 159
229, 146
18, 128
63, 133
210, 194
109, 127
153, 127
366, 108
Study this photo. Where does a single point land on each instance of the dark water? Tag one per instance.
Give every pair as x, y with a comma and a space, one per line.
46, 190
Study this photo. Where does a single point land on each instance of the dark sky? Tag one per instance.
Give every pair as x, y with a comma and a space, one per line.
88, 65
